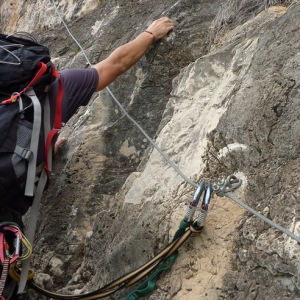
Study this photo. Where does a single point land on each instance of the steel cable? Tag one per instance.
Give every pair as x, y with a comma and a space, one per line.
263, 218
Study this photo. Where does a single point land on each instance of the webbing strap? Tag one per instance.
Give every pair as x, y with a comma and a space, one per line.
48, 164
29, 188
39, 169
47, 125
4, 275
42, 68
47, 129
23, 152
148, 286
32, 227
48, 149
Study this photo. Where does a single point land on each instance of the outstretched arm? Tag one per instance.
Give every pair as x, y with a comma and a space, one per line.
124, 57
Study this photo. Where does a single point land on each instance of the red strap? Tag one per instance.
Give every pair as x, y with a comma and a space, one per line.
2, 255
59, 97
48, 147
42, 69
57, 119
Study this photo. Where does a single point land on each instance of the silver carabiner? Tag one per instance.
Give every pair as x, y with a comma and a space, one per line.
194, 203
17, 245
204, 207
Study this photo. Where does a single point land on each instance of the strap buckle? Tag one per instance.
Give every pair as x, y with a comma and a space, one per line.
26, 154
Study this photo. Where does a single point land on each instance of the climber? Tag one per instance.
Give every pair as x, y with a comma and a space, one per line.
79, 86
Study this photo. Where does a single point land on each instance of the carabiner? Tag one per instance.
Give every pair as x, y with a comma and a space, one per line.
4, 252
194, 203
204, 207
17, 244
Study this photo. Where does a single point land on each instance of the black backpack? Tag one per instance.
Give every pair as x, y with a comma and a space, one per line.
26, 131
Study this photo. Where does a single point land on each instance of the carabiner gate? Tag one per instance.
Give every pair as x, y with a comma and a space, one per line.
204, 207
193, 205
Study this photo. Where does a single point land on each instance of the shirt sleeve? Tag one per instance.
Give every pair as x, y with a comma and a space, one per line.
79, 86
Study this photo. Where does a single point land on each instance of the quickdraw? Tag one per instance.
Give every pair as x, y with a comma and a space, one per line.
161, 262
19, 238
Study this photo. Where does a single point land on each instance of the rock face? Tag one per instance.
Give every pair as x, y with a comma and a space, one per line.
219, 96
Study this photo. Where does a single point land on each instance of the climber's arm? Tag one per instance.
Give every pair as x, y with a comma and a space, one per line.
124, 57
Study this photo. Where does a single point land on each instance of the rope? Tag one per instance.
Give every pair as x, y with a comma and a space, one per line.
152, 142
166, 257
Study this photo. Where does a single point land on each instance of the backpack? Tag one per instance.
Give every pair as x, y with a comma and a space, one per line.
26, 131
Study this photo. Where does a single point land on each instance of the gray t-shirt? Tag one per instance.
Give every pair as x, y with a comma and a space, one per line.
79, 86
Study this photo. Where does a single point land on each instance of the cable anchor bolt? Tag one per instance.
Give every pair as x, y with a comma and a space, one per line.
225, 186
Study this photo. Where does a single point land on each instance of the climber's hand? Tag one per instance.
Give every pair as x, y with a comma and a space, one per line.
58, 143
161, 27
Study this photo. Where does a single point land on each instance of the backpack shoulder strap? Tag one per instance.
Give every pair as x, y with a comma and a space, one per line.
43, 179
29, 188
32, 227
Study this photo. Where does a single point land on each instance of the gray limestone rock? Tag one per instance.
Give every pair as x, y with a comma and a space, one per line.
219, 95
